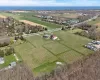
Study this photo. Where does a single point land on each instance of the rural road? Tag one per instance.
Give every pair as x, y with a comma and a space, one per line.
85, 21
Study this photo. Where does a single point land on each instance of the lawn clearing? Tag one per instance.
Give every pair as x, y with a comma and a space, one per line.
70, 56
8, 60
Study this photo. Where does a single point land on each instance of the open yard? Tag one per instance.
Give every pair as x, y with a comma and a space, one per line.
8, 60
41, 54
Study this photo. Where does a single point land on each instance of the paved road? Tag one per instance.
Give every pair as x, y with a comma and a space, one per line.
85, 21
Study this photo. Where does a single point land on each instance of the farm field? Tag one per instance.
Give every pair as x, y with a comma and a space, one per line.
42, 54
30, 17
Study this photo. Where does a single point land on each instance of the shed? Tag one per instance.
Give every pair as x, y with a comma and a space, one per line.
46, 36
13, 64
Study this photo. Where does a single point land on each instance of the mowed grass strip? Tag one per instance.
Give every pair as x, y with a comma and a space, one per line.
55, 47
70, 56
74, 42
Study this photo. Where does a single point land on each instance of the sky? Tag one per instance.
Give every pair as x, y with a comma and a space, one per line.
50, 3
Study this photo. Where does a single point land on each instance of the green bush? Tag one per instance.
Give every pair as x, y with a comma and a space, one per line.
1, 53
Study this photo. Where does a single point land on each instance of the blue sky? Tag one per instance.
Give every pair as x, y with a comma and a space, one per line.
50, 3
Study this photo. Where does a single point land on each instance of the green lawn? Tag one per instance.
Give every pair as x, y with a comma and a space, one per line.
8, 60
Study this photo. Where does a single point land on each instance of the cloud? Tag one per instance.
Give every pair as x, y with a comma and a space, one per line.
49, 3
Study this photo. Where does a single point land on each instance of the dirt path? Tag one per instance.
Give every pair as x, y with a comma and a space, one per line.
31, 23
2, 16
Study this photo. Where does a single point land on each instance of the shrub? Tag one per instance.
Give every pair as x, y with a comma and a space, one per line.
9, 51
1, 53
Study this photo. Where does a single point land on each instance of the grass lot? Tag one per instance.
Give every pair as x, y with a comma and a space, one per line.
41, 55
8, 60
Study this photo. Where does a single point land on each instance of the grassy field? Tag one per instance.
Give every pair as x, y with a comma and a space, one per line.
41, 54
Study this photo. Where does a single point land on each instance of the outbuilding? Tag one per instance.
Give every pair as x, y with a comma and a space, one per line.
13, 64
53, 37
46, 36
